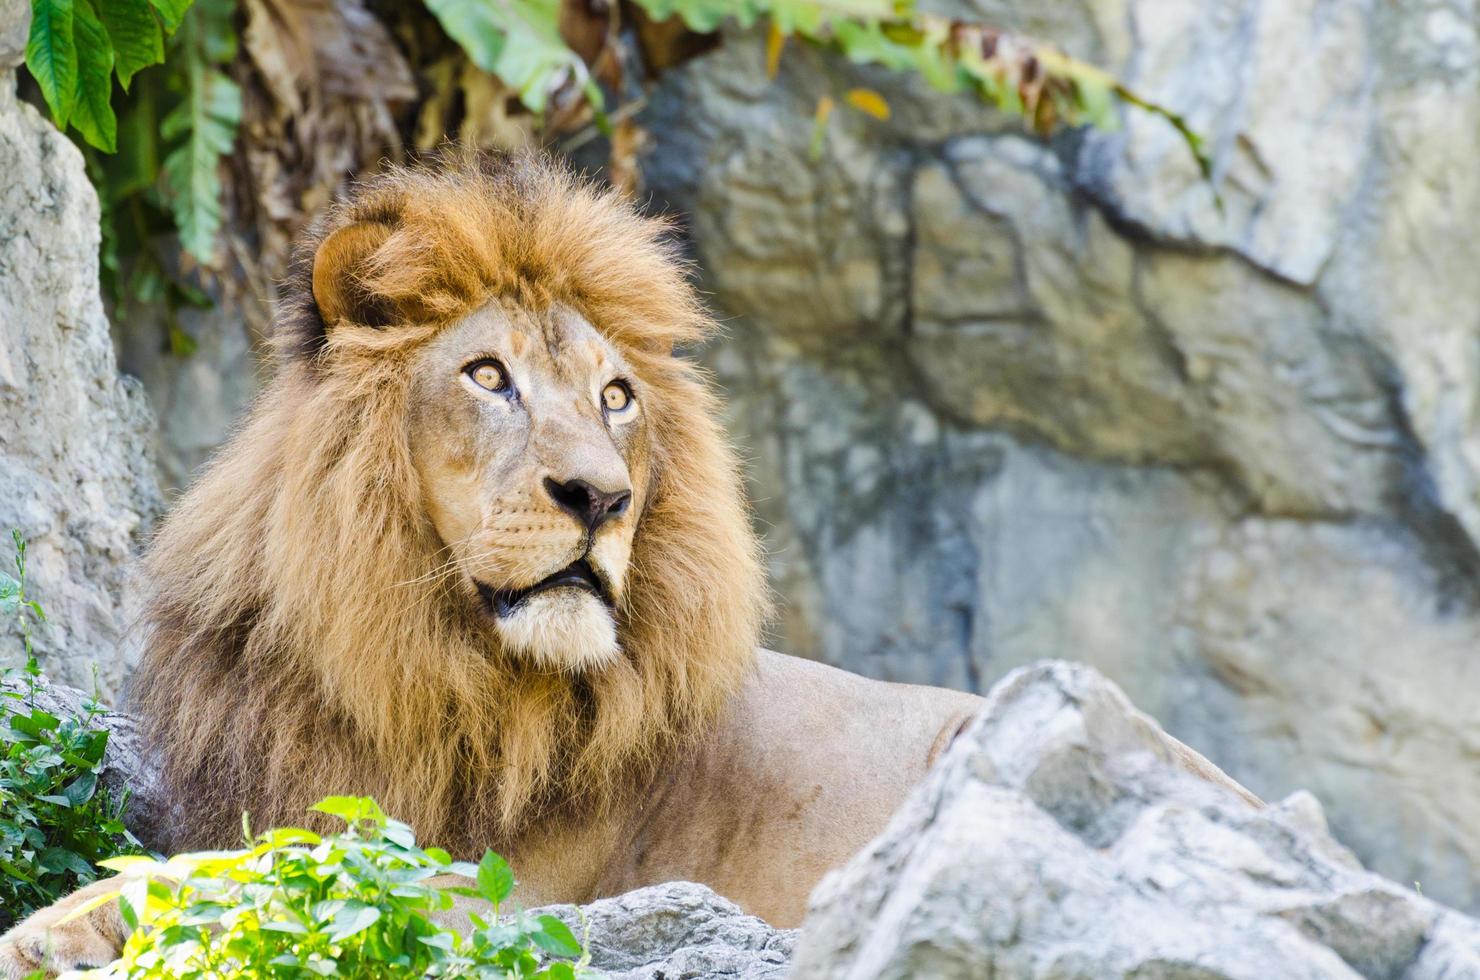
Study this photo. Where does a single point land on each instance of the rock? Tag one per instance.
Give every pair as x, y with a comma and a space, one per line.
76, 475
1063, 835
1006, 399
198, 397
15, 27
680, 929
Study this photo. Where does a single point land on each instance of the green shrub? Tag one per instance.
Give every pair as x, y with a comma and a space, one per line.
56, 822
355, 904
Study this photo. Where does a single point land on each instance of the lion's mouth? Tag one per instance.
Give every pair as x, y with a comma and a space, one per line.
576, 575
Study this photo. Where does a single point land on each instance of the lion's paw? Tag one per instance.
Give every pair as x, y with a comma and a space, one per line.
42, 942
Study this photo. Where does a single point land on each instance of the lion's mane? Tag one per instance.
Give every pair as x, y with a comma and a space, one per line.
303, 635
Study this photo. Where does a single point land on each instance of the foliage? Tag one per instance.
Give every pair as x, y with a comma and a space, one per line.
173, 129
178, 123
519, 42
75, 47
56, 822
1021, 77
356, 903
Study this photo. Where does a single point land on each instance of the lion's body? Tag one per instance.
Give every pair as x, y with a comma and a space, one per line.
314, 628
803, 768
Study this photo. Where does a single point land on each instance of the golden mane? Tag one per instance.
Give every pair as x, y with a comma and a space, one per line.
302, 637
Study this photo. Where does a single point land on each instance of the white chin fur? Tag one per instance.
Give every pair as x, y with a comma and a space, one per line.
563, 629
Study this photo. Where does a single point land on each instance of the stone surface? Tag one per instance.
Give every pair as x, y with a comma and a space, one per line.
198, 397
677, 930
76, 474
1059, 837
1006, 399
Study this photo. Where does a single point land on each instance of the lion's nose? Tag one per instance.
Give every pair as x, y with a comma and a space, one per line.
590, 506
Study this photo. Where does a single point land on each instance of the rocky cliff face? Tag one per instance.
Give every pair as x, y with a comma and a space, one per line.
1007, 400
76, 475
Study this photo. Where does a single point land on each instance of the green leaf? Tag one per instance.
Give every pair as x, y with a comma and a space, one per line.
55, 860
10, 595
126, 911
134, 30
36, 723
555, 938
517, 40
172, 12
92, 111
351, 809
355, 916
81, 789
207, 119
495, 878
51, 56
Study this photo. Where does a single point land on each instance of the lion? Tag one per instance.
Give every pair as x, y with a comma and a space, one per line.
481, 551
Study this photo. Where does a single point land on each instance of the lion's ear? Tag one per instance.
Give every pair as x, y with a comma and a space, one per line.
339, 268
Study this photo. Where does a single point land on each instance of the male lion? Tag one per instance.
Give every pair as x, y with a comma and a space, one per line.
480, 551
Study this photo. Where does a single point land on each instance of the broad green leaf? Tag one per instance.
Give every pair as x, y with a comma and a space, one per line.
555, 938
355, 916
126, 910
172, 12
36, 723
351, 809
128, 862
208, 120
495, 878
92, 111
398, 833
134, 31
517, 40
51, 56
10, 595
58, 859
81, 789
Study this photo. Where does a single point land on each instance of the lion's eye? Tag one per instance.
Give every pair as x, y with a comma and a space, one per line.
616, 396
489, 375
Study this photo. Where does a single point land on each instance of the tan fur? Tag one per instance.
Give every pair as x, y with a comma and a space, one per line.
302, 640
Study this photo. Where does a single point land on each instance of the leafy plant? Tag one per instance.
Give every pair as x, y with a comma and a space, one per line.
519, 41
176, 124
357, 903
76, 47
56, 822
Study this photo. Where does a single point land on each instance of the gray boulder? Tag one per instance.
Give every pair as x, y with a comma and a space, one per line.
1062, 836
76, 474
675, 931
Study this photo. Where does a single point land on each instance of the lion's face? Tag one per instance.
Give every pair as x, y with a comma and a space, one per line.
527, 431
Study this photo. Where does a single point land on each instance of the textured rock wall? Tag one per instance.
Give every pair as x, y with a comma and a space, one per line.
1007, 400
76, 475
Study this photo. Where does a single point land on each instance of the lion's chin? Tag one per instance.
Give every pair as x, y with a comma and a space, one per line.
561, 629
